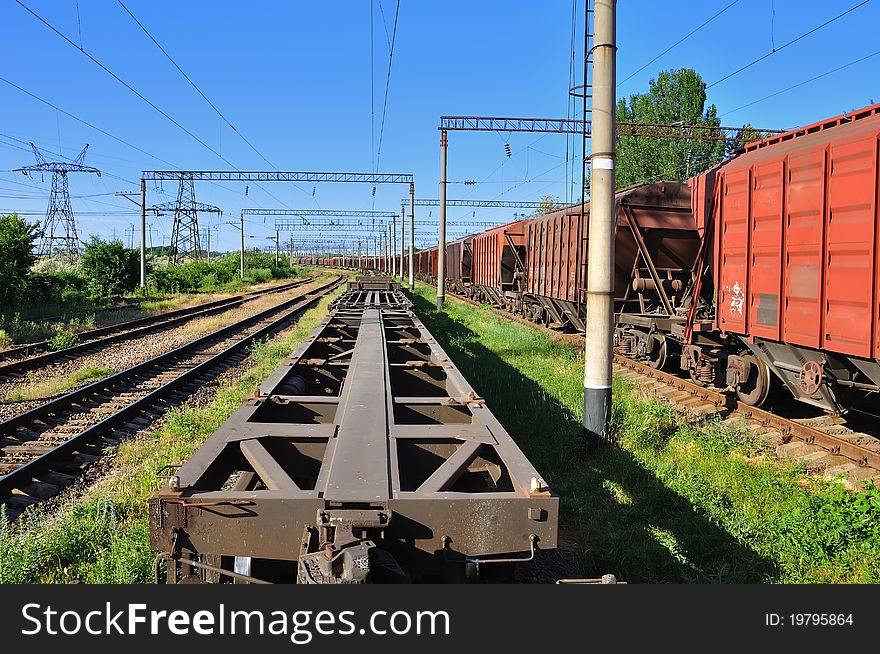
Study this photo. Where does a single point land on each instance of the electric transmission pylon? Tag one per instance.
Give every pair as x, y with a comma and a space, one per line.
185, 241
59, 227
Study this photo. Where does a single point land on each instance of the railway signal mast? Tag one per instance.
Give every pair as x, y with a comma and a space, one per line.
59, 226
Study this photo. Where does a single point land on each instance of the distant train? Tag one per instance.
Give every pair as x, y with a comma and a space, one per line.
762, 271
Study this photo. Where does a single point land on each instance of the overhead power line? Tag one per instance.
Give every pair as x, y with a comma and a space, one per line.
194, 85
679, 42
120, 80
785, 45
134, 90
807, 81
87, 124
387, 84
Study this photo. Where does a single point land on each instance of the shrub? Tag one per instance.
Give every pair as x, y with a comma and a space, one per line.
16, 256
258, 275
111, 269
63, 340
5, 339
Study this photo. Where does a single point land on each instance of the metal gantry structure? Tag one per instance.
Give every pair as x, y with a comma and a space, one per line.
59, 226
326, 218
262, 176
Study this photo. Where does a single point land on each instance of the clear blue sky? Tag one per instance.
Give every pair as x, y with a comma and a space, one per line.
295, 79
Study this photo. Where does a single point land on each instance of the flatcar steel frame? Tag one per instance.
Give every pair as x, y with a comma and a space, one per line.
366, 436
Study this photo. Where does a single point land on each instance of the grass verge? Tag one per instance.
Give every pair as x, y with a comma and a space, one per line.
56, 385
103, 536
668, 502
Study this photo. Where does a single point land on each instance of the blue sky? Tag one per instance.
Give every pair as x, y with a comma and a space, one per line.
295, 79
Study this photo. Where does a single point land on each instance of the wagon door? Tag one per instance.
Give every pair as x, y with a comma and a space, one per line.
734, 248
849, 259
766, 250
805, 204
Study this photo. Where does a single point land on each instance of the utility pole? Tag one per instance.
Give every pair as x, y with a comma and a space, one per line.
441, 237
402, 240
241, 255
359, 254
209, 244
600, 271
393, 246
277, 248
412, 232
144, 234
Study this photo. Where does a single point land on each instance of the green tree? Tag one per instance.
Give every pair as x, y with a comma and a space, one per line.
548, 203
16, 256
675, 96
110, 267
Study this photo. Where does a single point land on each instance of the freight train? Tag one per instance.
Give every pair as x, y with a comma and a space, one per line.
760, 273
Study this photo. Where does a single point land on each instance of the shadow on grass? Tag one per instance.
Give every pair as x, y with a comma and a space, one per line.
618, 514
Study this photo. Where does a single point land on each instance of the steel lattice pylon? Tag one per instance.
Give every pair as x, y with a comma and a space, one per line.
185, 239
59, 227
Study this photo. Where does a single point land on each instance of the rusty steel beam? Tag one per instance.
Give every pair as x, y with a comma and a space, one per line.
276, 176
576, 126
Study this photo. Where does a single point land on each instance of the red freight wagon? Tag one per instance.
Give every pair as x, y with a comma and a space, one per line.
797, 258
458, 265
427, 265
499, 256
655, 245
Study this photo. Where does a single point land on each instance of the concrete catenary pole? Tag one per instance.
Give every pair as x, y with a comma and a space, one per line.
412, 232
600, 271
393, 248
143, 233
209, 243
400, 266
441, 237
241, 253
277, 248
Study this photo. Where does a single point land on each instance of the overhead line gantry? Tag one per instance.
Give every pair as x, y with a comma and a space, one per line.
266, 176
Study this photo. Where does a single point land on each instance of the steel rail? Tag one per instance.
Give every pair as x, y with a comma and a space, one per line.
860, 455
112, 333
24, 474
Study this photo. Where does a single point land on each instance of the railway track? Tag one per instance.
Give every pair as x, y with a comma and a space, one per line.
825, 443
821, 443
43, 450
16, 361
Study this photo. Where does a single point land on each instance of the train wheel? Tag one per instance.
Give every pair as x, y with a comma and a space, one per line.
657, 355
755, 390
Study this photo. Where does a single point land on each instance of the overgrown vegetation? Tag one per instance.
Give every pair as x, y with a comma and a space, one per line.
112, 270
53, 386
222, 273
103, 537
667, 502
61, 286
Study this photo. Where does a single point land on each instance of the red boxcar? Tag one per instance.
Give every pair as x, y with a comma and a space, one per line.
426, 265
499, 257
797, 260
459, 265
